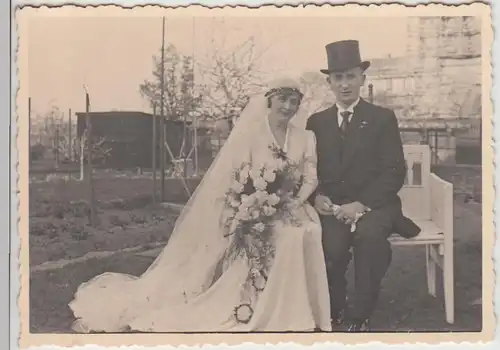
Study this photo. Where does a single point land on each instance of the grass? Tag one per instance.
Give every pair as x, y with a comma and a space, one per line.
59, 230
404, 304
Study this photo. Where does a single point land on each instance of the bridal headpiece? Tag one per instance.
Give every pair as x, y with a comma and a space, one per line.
283, 86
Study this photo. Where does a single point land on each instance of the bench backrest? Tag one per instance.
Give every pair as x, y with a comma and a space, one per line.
415, 194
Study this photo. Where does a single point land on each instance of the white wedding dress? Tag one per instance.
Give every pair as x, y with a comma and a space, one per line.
184, 298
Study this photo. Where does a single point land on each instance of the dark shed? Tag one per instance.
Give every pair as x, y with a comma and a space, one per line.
130, 136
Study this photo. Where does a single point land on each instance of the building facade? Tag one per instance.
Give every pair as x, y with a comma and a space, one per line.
436, 87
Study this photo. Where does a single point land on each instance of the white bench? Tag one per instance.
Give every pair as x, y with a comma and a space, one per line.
428, 201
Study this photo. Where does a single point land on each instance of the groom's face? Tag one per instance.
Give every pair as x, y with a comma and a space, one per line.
346, 85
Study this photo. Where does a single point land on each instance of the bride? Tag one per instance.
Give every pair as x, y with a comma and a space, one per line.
192, 286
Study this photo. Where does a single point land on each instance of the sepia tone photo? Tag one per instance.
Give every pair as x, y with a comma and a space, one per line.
312, 173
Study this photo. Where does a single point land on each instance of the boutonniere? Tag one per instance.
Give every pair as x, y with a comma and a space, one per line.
364, 124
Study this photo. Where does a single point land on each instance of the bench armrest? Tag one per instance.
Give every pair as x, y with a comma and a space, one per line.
441, 202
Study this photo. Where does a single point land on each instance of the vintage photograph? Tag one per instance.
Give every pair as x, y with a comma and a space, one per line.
271, 170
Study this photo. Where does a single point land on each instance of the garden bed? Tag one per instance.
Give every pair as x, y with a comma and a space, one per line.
59, 217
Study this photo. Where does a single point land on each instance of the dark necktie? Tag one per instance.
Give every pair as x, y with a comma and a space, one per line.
345, 122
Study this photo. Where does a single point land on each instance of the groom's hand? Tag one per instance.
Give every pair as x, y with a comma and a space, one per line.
347, 212
323, 205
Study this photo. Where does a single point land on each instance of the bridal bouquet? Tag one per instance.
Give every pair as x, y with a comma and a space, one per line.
258, 197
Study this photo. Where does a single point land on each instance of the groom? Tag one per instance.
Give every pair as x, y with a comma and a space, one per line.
361, 168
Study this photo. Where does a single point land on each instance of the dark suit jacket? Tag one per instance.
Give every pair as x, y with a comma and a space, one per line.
368, 165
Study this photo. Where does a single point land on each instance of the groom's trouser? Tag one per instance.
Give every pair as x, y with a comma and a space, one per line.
372, 256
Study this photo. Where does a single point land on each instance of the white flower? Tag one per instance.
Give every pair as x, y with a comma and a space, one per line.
268, 211
246, 200
234, 203
237, 187
255, 214
260, 184
255, 173
242, 214
261, 196
243, 206
273, 199
269, 175
259, 227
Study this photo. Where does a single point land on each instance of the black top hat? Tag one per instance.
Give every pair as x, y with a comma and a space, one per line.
343, 55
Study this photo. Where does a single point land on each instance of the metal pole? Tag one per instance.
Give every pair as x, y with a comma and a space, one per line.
89, 161
195, 120
370, 93
162, 115
184, 136
436, 147
29, 131
56, 144
29, 150
154, 152
70, 139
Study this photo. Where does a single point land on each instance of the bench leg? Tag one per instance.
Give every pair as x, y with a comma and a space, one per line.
449, 284
431, 271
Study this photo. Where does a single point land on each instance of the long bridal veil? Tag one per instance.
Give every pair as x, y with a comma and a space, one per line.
188, 262
197, 242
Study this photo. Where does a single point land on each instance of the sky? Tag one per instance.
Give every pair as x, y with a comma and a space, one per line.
113, 55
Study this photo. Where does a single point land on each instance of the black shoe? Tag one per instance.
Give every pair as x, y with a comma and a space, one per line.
338, 317
359, 326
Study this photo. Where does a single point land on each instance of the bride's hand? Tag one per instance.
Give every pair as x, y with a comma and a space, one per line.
293, 204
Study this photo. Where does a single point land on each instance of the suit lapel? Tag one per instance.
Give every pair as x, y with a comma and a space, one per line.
335, 123
330, 125
352, 139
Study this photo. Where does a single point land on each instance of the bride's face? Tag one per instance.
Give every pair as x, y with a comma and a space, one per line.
284, 105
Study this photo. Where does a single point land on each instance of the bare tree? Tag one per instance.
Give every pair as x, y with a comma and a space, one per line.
51, 124
317, 93
230, 75
97, 149
179, 87
50, 131
63, 145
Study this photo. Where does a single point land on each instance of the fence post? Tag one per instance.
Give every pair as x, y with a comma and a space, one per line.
90, 182
154, 152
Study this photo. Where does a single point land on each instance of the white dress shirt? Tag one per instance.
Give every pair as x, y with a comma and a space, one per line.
341, 109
